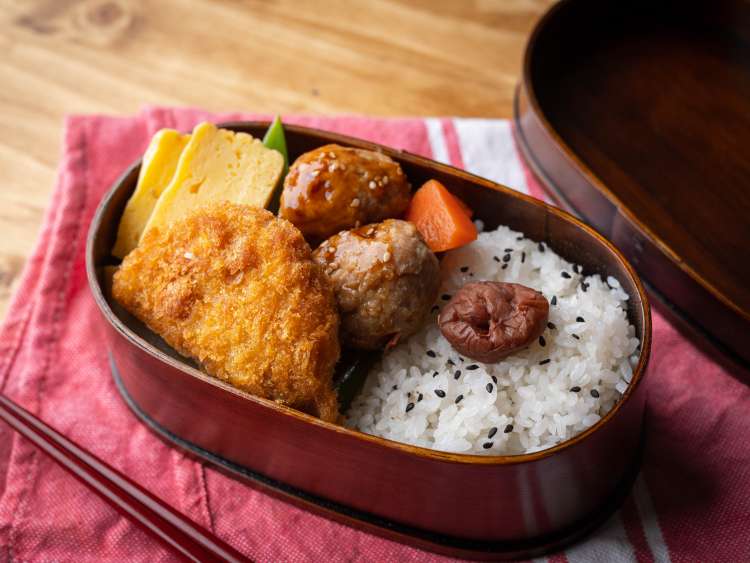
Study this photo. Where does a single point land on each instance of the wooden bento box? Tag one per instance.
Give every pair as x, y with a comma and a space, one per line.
464, 505
636, 118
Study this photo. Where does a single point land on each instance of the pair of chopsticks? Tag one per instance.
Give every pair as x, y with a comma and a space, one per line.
178, 532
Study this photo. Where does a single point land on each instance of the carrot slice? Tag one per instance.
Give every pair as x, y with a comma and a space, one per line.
440, 217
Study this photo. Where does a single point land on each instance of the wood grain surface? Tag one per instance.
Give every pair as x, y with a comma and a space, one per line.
381, 57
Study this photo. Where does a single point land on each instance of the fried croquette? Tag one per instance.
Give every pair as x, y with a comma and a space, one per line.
236, 288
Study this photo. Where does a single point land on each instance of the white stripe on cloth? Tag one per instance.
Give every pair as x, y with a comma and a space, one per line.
650, 524
437, 140
610, 543
489, 151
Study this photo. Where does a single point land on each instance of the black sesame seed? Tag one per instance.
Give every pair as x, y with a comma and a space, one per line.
506, 258
551, 326
459, 399
519, 238
504, 267
508, 429
575, 336
471, 274
431, 354
434, 309
580, 320
440, 393
409, 407
409, 394
496, 259
420, 397
434, 374
541, 247
576, 268
489, 387
472, 367
487, 445
544, 362
494, 379
457, 374
575, 389
595, 393
492, 432
508, 250
523, 257
445, 297
542, 341
584, 286
395, 387
450, 362
554, 300
565, 274
464, 269
460, 359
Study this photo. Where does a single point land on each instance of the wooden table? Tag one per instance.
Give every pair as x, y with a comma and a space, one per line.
381, 57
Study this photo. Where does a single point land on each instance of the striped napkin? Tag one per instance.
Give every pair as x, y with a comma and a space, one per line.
690, 503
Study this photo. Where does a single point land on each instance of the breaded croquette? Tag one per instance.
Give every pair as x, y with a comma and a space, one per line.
235, 288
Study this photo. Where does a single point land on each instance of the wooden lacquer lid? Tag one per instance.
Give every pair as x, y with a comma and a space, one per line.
636, 117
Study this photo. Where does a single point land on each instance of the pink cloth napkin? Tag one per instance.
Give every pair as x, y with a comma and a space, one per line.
691, 502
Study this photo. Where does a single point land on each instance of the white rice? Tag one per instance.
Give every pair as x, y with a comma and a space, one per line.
532, 406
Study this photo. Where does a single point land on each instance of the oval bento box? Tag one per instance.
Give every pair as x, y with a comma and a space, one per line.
483, 507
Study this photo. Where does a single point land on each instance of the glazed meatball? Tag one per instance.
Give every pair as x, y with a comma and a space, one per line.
385, 279
334, 188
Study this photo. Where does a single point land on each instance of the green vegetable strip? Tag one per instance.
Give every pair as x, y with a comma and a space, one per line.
276, 140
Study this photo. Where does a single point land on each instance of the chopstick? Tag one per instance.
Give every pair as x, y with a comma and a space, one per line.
182, 535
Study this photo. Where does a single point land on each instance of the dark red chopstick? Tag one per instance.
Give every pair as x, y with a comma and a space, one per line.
178, 532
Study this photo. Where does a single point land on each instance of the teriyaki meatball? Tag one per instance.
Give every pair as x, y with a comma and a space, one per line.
334, 188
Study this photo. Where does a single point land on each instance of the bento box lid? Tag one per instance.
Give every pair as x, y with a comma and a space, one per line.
638, 121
